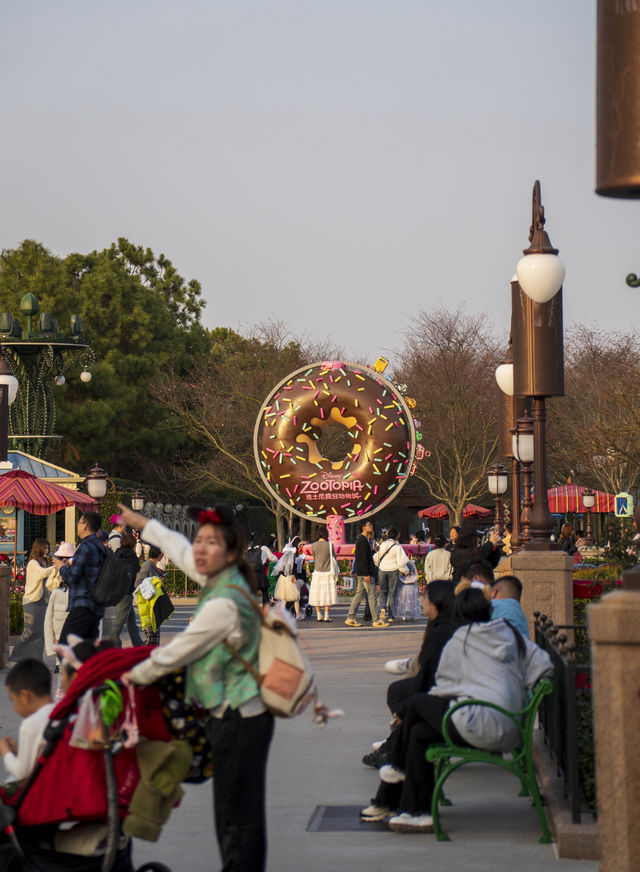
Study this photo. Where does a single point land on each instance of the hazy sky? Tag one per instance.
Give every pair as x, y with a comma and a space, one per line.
337, 164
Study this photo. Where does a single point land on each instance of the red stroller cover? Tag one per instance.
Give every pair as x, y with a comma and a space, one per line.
71, 784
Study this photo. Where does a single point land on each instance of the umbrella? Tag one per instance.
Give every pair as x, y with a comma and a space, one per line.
24, 491
568, 498
441, 511
437, 511
473, 511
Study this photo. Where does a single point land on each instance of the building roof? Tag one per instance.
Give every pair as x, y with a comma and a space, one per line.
41, 468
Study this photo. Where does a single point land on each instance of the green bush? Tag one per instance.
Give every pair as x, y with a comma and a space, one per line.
16, 618
177, 584
606, 572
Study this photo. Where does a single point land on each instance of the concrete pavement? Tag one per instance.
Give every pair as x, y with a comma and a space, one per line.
490, 826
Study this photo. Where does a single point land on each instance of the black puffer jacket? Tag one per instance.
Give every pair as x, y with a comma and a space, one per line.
133, 564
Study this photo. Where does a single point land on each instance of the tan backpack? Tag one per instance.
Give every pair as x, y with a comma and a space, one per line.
285, 675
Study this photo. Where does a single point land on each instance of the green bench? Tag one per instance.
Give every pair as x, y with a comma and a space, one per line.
448, 757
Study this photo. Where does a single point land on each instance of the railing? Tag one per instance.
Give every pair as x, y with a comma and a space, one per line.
566, 716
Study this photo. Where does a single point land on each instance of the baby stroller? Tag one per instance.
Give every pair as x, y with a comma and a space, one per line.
71, 786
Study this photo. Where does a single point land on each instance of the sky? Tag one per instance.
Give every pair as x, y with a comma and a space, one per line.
337, 164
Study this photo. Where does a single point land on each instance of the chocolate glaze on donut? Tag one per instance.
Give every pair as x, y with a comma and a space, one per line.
377, 420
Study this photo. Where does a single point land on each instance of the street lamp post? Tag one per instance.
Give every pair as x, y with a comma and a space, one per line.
97, 485
588, 501
538, 351
8, 391
524, 452
137, 501
510, 408
498, 482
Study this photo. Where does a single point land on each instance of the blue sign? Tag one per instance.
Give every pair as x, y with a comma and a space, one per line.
623, 505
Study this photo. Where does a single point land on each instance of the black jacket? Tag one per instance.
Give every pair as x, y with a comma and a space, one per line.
461, 555
364, 557
429, 656
129, 556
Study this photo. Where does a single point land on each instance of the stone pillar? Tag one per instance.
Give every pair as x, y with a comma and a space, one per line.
51, 531
547, 584
614, 626
5, 578
70, 524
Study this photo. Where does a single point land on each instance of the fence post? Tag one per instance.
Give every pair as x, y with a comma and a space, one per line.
5, 613
614, 624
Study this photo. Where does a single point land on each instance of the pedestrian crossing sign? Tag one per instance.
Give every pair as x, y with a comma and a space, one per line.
623, 505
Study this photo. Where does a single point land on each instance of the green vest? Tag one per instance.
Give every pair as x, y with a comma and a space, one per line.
218, 676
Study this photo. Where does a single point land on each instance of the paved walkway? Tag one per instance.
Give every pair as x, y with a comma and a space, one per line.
492, 829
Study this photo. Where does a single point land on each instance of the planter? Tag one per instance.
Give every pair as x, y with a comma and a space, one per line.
586, 589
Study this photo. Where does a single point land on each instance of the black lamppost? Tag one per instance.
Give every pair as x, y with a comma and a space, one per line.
538, 352
8, 391
498, 482
523, 451
588, 501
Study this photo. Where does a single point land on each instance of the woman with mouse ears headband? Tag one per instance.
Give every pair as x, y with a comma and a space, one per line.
238, 725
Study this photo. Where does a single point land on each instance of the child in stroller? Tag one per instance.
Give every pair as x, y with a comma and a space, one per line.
67, 815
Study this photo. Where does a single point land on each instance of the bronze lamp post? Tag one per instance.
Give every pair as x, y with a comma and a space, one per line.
538, 351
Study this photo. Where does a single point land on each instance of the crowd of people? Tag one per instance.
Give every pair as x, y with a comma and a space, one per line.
475, 645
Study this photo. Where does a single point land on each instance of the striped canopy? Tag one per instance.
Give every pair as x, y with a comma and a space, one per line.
568, 498
25, 491
441, 511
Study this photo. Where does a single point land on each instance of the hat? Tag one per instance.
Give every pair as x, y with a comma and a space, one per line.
65, 549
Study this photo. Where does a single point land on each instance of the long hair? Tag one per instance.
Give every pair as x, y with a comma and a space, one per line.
234, 536
39, 550
440, 594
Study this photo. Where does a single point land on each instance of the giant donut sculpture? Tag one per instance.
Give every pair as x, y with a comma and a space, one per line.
381, 443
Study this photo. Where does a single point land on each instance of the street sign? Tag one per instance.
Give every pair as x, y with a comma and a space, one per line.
623, 505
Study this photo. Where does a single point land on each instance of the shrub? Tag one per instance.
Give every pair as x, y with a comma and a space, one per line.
16, 618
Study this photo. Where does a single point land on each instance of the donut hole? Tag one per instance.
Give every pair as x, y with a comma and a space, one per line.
334, 443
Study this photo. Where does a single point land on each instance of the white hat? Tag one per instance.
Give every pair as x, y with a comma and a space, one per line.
65, 549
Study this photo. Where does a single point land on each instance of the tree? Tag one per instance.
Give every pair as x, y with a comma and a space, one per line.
448, 363
139, 315
593, 430
218, 402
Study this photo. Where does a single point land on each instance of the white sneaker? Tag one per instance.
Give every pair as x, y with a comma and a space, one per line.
411, 823
390, 775
376, 813
376, 745
398, 667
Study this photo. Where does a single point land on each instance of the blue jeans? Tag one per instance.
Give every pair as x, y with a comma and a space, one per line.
387, 581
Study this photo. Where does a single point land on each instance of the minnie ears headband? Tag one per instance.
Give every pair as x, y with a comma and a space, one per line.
209, 516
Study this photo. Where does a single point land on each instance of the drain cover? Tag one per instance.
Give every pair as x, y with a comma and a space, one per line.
341, 818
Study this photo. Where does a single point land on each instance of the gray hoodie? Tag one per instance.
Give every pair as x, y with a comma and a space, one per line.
481, 661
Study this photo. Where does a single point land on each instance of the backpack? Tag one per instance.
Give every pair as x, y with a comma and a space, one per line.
114, 581
285, 675
254, 559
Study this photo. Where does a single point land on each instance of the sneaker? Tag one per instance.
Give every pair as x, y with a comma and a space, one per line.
300, 617
376, 745
351, 622
411, 823
375, 813
380, 757
390, 775
390, 619
379, 623
398, 667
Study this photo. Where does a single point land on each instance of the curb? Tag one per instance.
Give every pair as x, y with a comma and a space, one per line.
573, 841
